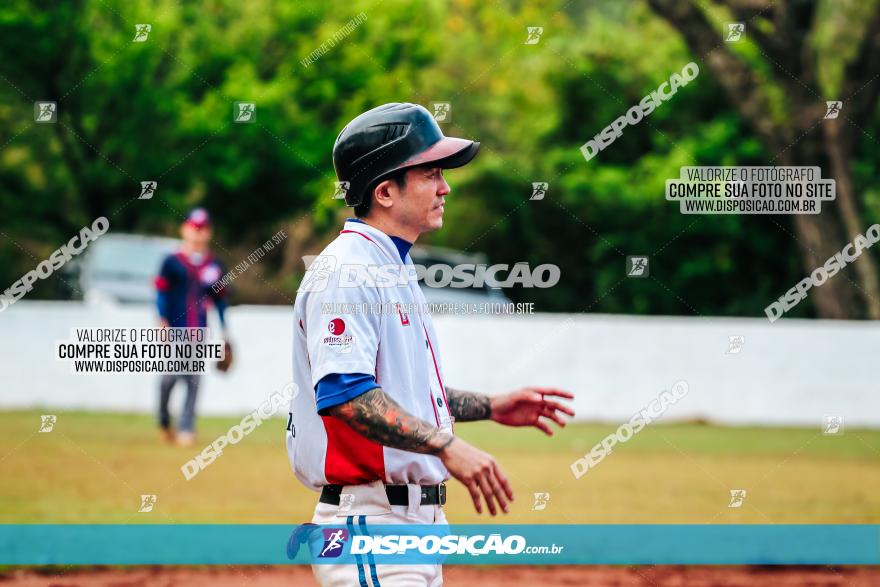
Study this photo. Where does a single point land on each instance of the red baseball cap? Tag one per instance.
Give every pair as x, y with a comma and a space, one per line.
199, 218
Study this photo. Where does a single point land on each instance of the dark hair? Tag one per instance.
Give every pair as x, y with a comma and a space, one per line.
363, 209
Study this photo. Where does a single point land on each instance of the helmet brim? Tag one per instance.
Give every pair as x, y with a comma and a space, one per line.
447, 153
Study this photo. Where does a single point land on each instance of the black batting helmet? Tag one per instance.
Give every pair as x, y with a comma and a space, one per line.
389, 138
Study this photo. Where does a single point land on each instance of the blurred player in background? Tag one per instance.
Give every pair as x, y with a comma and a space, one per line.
184, 292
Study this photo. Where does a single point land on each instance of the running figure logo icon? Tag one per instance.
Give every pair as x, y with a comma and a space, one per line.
534, 35
334, 540
541, 501
142, 32
637, 267
47, 422
147, 503
735, 31
45, 112
833, 108
148, 188
833, 425
737, 497
341, 189
735, 344
318, 272
442, 111
539, 190
245, 112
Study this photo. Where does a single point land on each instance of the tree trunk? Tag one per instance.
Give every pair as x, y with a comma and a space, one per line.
865, 266
819, 237
794, 68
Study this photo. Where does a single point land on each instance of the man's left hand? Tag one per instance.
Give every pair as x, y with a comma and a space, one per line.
527, 407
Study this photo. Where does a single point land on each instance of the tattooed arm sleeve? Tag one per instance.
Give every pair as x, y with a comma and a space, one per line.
466, 406
376, 416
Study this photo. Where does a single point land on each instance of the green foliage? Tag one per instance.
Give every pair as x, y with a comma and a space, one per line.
163, 110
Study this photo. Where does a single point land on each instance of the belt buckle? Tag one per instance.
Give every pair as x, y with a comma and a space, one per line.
442, 491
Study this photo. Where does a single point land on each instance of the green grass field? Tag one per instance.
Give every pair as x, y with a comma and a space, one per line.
92, 468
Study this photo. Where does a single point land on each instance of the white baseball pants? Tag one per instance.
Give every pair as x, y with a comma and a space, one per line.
369, 505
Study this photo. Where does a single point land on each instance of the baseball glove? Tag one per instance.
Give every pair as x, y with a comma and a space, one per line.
224, 365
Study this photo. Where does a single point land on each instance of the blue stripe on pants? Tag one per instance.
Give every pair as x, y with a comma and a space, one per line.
370, 558
360, 563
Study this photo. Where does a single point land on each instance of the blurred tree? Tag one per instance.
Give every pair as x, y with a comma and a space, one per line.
162, 110
810, 52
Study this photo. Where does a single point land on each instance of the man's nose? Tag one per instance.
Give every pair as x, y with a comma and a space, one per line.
443, 188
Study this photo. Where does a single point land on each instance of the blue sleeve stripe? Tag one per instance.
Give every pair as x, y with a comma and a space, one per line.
336, 388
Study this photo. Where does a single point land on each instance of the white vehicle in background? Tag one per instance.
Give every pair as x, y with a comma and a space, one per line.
440, 261
120, 269
441, 273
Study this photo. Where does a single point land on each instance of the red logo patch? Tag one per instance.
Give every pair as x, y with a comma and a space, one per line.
404, 317
336, 326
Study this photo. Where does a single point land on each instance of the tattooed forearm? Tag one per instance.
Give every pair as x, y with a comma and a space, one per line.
376, 416
466, 406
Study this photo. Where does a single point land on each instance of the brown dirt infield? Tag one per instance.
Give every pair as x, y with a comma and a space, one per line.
456, 576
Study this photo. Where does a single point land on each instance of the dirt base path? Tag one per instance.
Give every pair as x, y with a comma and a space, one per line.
460, 576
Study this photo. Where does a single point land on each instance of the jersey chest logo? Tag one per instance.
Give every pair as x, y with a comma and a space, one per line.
209, 274
404, 317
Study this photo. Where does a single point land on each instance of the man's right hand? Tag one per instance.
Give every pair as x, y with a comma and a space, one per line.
479, 472
379, 418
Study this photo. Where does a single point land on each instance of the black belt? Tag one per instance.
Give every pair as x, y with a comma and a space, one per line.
397, 494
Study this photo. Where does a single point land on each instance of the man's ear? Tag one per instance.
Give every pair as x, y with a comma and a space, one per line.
385, 192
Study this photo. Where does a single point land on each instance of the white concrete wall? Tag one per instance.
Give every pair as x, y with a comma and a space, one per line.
793, 372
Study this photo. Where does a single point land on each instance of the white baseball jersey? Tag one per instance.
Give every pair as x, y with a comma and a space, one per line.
346, 323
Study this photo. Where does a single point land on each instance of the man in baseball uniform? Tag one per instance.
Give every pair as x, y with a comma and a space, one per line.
184, 292
372, 424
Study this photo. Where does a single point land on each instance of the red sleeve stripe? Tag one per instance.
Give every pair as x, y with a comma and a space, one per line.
162, 283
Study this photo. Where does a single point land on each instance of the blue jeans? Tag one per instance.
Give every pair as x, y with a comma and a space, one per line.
187, 418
